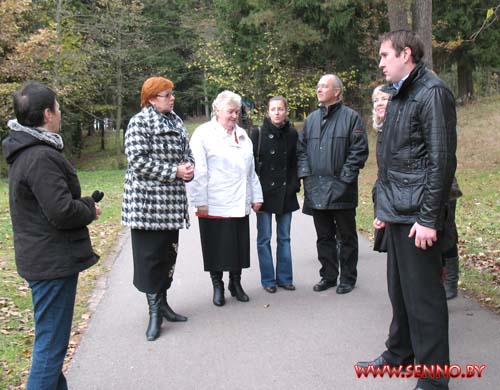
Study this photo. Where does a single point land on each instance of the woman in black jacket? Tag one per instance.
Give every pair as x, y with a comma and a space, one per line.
49, 220
275, 146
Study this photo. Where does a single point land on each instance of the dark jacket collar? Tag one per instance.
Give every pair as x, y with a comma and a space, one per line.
414, 75
268, 125
327, 111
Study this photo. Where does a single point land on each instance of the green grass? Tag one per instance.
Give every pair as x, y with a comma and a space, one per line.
478, 213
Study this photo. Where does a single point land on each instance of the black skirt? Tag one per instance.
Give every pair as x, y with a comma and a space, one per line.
155, 254
225, 243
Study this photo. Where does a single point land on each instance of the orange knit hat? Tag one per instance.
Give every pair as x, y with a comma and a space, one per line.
152, 87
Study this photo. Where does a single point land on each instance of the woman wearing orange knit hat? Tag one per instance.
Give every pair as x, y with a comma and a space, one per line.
154, 203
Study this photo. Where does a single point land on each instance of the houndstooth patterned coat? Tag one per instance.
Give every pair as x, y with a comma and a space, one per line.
154, 198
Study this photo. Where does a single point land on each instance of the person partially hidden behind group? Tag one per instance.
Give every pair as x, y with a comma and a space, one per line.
155, 202
380, 98
224, 190
275, 149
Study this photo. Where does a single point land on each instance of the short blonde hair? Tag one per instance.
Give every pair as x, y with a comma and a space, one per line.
225, 98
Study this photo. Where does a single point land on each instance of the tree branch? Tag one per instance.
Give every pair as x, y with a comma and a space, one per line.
487, 22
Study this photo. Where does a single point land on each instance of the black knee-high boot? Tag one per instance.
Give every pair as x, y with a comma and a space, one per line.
235, 288
218, 284
155, 318
167, 312
451, 278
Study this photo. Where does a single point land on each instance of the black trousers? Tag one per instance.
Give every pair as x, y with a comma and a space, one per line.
155, 255
331, 226
419, 327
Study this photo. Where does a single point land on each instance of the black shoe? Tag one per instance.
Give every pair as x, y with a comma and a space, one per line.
324, 284
234, 286
380, 362
451, 278
344, 288
270, 289
218, 285
155, 318
167, 312
289, 287
237, 291
377, 362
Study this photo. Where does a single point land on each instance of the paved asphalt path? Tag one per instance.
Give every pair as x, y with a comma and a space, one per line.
289, 340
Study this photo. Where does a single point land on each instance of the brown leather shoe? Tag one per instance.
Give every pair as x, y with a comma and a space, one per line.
289, 287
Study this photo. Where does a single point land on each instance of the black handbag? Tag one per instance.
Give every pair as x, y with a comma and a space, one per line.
380, 240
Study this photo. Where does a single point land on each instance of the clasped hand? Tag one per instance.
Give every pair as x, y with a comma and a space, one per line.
185, 171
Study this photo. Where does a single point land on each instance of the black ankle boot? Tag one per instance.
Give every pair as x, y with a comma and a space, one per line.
218, 284
451, 278
155, 318
167, 312
235, 288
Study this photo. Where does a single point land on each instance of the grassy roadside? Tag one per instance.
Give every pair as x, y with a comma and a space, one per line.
477, 219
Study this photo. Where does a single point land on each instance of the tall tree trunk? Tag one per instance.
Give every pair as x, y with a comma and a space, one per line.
58, 47
422, 25
119, 97
205, 97
103, 141
464, 75
118, 123
398, 11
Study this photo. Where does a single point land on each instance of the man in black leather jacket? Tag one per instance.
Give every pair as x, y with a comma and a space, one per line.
416, 164
331, 150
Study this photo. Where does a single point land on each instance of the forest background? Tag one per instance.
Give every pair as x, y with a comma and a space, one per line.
97, 54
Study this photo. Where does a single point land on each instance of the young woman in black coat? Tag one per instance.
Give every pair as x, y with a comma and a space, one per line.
275, 145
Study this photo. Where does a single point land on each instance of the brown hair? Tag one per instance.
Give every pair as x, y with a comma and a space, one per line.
278, 99
405, 38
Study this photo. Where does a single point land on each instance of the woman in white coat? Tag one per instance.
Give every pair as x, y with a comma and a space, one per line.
224, 190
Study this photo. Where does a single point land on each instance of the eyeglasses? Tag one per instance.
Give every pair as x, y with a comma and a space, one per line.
167, 95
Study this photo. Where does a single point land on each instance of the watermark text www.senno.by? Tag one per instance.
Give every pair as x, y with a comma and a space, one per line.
421, 371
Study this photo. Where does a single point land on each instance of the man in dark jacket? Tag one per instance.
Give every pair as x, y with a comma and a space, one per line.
49, 219
416, 164
331, 150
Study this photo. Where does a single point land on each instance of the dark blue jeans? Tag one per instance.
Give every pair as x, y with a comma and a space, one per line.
284, 274
53, 303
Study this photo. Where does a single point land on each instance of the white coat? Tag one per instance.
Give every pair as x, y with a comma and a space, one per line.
224, 177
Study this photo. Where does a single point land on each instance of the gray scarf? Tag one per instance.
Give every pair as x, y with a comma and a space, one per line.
52, 139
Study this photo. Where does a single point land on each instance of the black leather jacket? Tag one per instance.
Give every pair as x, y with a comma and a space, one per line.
416, 152
332, 148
